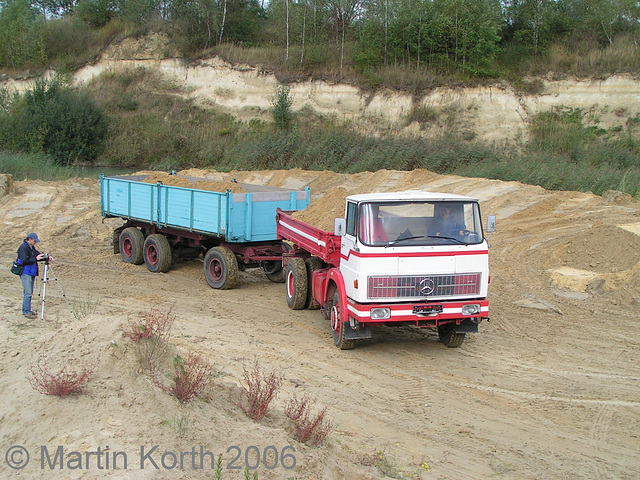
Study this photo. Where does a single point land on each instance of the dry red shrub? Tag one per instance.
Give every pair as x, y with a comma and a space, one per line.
307, 428
59, 381
260, 389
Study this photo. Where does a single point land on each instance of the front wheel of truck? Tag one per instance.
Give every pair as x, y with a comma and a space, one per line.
338, 327
312, 264
449, 336
221, 268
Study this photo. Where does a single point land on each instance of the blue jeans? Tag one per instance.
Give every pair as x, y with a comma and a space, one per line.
27, 289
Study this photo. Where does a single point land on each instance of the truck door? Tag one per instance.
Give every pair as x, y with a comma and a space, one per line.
348, 246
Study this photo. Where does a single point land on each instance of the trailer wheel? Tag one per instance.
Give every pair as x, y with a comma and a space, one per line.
296, 283
337, 326
221, 268
157, 253
450, 338
131, 246
312, 264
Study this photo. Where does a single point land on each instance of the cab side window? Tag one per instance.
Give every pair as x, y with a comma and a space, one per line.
352, 213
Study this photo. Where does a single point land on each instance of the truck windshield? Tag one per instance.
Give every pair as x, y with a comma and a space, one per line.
419, 223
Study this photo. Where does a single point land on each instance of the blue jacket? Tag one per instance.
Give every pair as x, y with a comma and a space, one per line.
27, 256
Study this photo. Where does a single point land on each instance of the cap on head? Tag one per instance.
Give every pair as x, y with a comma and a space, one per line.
34, 237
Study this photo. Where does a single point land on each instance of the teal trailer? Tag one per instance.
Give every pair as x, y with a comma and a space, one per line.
232, 230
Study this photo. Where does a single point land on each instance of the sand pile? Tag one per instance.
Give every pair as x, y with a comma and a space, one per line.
180, 181
322, 212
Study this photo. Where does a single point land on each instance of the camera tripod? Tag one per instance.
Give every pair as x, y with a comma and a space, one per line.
43, 289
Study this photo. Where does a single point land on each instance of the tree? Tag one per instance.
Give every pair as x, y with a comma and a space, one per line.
96, 13
281, 103
21, 39
197, 23
612, 16
342, 13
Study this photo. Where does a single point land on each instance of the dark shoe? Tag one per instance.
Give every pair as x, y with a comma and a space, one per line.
30, 315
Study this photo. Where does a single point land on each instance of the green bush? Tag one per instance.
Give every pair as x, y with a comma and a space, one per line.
281, 104
55, 119
96, 13
68, 42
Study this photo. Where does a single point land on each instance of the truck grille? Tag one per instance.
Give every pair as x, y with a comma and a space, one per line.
424, 286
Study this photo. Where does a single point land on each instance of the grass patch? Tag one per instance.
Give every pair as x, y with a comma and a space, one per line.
34, 166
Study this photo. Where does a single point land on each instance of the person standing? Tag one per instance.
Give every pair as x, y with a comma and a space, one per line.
28, 256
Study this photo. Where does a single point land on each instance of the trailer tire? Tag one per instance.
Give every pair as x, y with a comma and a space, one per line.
296, 283
337, 326
221, 268
157, 253
312, 264
449, 337
131, 246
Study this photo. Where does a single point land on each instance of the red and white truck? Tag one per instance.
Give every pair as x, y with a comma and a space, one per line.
402, 258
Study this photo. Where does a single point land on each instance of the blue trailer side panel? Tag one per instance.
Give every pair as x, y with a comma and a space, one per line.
193, 210
129, 199
239, 217
252, 215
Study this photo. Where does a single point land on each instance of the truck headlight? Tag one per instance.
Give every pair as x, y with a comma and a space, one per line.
471, 309
380, 313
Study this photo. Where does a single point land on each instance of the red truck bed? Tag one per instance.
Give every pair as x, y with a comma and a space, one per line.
317, 242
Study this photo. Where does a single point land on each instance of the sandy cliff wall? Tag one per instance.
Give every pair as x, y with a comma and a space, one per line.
493, 113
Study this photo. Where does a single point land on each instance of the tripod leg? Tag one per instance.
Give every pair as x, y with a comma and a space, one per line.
44, 290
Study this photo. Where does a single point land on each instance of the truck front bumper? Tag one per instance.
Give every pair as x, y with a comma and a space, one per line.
420, 314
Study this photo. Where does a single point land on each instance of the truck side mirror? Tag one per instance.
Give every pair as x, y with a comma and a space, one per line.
491, 223
339, 226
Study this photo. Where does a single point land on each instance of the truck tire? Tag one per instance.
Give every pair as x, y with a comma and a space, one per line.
328, 303
131, 246
221, 268
296, 283
157, 253
337, 326
449, 337
312, 264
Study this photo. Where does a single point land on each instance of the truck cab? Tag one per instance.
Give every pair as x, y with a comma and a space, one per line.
414, 257
402, 258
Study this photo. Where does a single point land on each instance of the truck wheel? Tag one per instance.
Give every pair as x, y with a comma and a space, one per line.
131, 245
328, 303
157, 253
296, 283
450, 338
337, 326
221, 268
312, 264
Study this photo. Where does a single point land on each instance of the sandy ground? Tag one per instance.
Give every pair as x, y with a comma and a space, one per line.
547, 390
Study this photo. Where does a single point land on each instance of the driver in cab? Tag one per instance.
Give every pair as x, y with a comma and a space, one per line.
444, 224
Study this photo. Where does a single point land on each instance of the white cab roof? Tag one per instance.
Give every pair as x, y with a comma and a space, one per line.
409, 195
